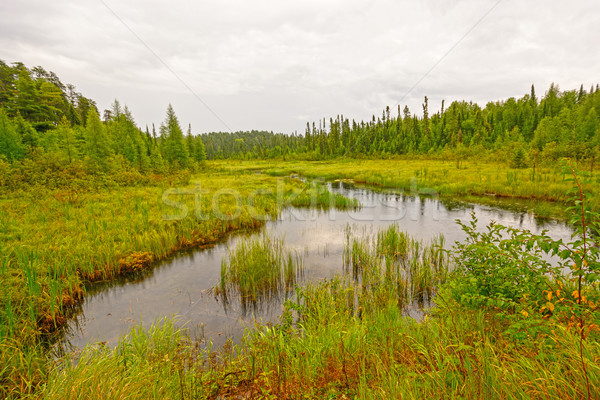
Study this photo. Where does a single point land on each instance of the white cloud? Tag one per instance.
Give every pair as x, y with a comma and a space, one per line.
272, 65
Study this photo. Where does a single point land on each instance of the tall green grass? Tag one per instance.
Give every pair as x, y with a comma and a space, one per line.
346, 338
55, 242
258, 271
393, 261
543, 190
352, 338
157, 363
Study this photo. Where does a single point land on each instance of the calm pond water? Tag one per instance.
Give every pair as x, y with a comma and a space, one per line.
181, 286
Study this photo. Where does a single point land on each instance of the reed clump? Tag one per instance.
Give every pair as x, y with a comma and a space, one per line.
55, 241
258, 271
348, 337
394, 261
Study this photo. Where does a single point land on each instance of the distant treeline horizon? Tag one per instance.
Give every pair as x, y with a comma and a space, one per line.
42, 118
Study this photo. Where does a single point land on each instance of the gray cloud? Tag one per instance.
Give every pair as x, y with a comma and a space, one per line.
275, 65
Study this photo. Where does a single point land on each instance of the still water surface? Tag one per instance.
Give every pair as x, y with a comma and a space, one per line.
181, 286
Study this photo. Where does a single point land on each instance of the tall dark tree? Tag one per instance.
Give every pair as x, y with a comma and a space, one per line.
174, 150
98, 143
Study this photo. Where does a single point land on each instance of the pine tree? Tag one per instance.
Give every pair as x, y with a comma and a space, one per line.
189, 142
66, 139
98, 143
200, 150
308, 137
532, 97
174, 146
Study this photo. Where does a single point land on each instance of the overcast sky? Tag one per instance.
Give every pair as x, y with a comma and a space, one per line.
275, 65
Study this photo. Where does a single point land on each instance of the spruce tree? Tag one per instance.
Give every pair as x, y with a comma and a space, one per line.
98, 143
189, 142
200, 151
174, 146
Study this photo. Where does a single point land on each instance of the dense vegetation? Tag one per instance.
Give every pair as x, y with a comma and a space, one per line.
41, 118
508, 324
48, 130
524, 132
88, 196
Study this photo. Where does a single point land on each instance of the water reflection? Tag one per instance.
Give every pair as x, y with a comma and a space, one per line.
182, 286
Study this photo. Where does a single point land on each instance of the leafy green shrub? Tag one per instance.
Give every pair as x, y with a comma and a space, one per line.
530, 279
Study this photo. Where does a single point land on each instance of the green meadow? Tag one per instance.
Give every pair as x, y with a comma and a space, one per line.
55, 242
347, 337
350, 337
542, 190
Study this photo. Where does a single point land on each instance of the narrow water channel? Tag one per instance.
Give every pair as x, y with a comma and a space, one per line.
181, 286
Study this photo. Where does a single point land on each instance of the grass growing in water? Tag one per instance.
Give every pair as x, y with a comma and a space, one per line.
393, 261
55, 241
342, 338
542, 190
333, 351
258, 270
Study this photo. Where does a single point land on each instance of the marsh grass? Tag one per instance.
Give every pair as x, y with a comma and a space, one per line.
345, 338
258, 271
154, 363
317, 195
348, 336
56, 242
543, 190
394, 261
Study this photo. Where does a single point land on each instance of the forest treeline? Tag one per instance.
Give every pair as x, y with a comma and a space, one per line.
520, 131
48, 127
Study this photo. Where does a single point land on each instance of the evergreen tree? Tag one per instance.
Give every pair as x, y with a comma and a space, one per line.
98, 143
174, 146
189, 142
26, 99
532, 97
200, 151
518, 158
29, 136
10, 142
66, 140
156, 160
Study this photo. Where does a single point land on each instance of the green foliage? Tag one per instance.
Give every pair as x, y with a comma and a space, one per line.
518, 158
511, 271
543, 191
341, 338
557, 127
258, 271
93, 218
29, 136
174, 149
127, 139
40, 97
61, 228
563, 123
66, 140
11, 146
98, 143
200, 153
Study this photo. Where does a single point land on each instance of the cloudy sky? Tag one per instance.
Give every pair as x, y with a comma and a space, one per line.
274, 65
